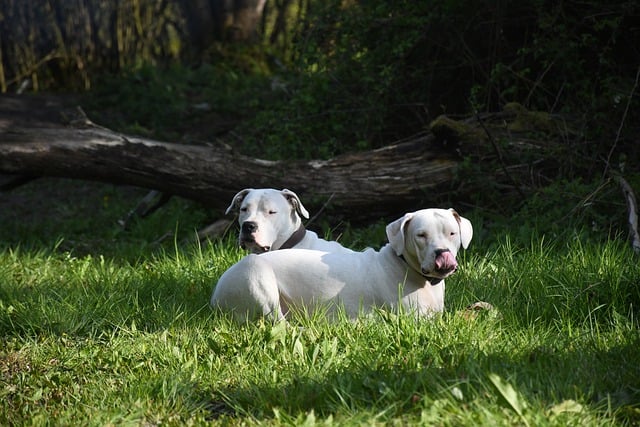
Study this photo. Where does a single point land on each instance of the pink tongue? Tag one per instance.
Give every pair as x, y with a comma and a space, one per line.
446, 262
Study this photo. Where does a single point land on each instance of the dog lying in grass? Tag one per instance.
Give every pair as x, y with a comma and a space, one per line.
408, 272
272, 219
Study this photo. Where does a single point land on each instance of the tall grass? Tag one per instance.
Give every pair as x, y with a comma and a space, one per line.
99, 340
102, 326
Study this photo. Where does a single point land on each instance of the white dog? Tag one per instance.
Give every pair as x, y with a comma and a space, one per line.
407, 272
271, 219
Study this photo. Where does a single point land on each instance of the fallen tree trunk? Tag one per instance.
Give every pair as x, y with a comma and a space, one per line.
500, 155
51, 140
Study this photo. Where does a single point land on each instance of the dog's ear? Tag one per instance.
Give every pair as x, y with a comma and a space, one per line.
237, 200
395, 233
295, 202
466, 229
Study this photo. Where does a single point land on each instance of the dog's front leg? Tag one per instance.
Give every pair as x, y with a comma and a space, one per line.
263, 287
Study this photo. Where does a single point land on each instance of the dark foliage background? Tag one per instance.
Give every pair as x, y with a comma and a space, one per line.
381, 71
352, 74
313, 79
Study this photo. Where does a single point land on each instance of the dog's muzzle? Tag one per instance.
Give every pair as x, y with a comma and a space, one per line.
249, 227
445, 264
247, 239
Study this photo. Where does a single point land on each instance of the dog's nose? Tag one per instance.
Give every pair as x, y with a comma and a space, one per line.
249, 227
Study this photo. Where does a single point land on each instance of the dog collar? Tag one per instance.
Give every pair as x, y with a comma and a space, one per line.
295, 238
432, 280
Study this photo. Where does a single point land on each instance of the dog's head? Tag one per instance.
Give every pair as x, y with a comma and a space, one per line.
429, 240
267, 217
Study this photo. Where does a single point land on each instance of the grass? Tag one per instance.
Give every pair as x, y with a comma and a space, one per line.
119, 332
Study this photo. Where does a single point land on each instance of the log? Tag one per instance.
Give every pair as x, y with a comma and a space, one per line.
42, 136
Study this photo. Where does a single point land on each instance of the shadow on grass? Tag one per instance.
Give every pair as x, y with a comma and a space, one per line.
82, 218
607, 379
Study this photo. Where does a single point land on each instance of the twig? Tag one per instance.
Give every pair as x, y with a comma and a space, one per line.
629, 195
538, 82
145, 207
624, 117
313, 218
215, 230
500, 158
587, 200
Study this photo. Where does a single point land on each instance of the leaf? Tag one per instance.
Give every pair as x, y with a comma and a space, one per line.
567, 406
509, 394
298, 347
457, 393
278, 332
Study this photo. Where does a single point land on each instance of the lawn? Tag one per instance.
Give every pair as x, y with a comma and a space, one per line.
102, 326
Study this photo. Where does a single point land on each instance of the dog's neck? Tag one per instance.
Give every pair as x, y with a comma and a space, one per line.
432, 280
295, 238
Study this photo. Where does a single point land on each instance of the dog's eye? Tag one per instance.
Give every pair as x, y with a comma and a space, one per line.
272, 212
453, 233
422, 235
244, 209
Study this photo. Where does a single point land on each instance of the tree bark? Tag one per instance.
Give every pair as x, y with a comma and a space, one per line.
40, 137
